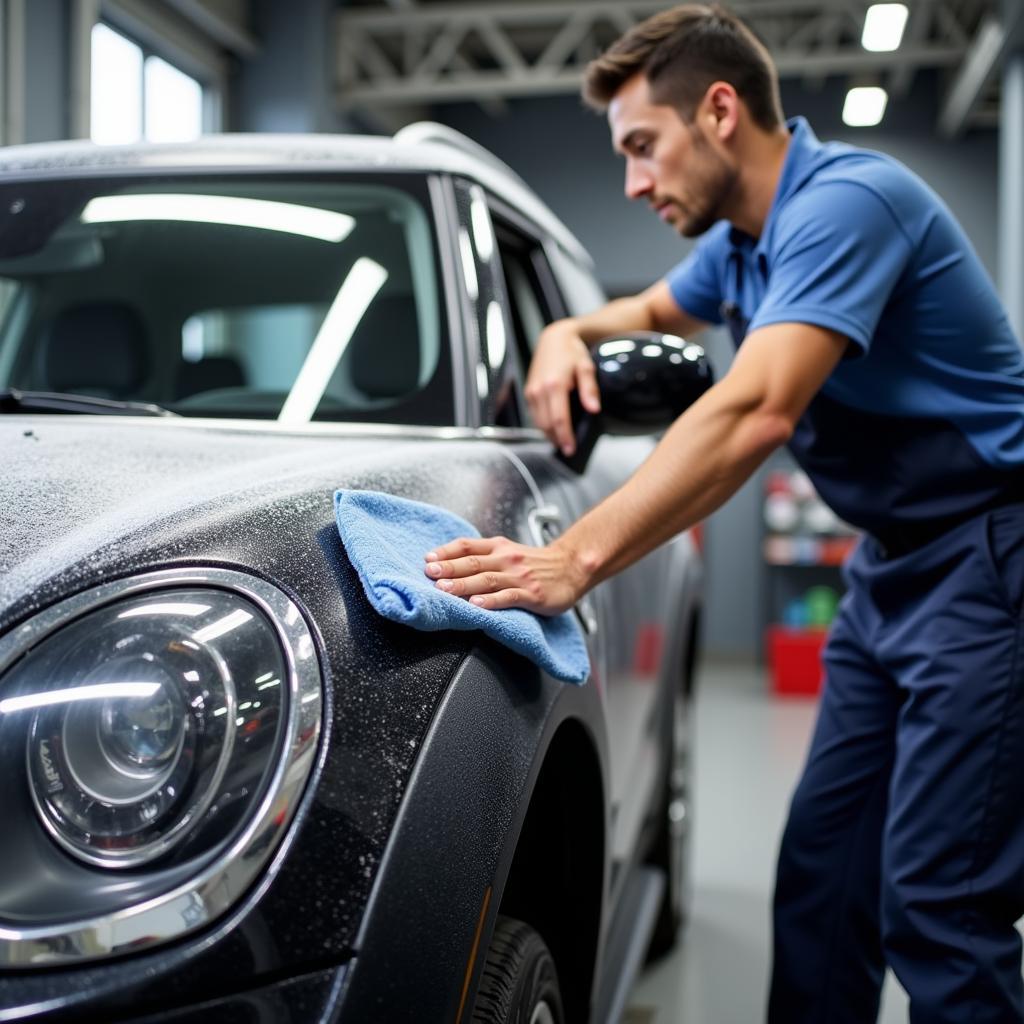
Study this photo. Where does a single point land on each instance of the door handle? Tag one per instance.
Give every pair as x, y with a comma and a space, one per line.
545, 525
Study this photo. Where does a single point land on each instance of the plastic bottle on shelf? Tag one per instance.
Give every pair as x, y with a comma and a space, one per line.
781, 513
821, 604
794, 614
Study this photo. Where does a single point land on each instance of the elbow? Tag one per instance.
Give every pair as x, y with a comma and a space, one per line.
771, 430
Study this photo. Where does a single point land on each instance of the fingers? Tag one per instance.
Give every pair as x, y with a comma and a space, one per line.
496, 573
561, 364
481, 569
471, 586
559, 421
461, 548
586, 384
549, 407
549, 404
469, 565
510, 598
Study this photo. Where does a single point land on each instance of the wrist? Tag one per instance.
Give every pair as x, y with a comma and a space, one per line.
582, 564
564, 332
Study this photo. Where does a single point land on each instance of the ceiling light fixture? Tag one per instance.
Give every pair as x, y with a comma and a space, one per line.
883, 27
864, 106
233, 211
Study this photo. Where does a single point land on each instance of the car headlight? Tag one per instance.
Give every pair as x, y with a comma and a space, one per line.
160, 729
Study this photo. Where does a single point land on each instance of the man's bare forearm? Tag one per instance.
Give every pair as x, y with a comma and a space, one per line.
630, 313
699, 464
702, 460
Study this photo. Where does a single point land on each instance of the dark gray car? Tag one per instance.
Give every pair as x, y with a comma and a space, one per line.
231, 791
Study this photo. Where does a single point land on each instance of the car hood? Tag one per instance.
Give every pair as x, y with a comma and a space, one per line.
83, 499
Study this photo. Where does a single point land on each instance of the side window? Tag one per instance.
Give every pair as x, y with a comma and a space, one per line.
533, 300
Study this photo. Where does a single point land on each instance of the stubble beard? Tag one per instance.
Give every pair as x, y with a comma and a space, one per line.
715, 189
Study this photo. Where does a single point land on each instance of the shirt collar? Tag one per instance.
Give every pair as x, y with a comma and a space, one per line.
801, 157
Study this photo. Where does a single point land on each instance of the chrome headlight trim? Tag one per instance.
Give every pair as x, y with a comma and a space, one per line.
225, 880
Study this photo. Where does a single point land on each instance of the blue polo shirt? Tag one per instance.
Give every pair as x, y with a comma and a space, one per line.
923, 422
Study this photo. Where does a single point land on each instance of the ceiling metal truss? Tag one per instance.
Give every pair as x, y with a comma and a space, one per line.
404, 52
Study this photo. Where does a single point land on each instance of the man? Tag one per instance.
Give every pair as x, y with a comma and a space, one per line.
873, 345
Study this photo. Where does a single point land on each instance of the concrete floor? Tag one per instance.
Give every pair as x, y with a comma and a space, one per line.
749, 750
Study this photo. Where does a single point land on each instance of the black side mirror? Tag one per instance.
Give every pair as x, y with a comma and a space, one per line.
646, 381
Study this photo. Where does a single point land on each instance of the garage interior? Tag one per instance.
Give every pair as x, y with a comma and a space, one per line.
507, 75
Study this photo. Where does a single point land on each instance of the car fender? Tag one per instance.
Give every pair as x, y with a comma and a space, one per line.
441, 881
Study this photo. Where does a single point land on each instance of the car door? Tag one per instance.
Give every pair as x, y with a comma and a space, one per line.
625, 616
496, 371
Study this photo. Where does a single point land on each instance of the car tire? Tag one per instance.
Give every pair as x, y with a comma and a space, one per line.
519, 984
670, 850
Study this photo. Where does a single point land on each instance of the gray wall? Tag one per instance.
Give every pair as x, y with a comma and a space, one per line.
288, 86
562, 150
47, 71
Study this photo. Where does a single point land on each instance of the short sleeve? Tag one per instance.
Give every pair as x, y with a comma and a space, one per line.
696, 282
839, 255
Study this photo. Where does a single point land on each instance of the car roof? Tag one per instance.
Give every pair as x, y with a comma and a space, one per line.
420, 148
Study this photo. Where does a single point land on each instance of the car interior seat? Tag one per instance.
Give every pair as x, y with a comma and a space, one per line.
209, 374
98, 349
384, 352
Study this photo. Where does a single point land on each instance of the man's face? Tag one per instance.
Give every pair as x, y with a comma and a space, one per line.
670, 163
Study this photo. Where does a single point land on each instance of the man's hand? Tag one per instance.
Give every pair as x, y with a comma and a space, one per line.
560, 365
494, 573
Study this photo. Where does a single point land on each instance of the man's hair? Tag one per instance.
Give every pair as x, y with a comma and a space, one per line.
681, 52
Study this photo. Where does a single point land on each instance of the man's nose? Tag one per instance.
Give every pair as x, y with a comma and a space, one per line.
639, 182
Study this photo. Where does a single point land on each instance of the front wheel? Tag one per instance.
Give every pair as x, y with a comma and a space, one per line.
519, 984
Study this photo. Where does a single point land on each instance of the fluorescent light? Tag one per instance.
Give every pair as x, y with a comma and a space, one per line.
865, 106
483, 234
221, 626
364, 280
615, 348
234, 211
468, 265
496, 341
98, 691
165, 608
883, 27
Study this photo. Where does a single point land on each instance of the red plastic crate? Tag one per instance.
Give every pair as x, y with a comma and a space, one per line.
794, 660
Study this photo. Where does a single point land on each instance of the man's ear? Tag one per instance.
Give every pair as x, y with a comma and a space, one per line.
720, 109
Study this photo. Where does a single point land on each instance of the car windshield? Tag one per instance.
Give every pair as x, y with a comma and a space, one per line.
279, 297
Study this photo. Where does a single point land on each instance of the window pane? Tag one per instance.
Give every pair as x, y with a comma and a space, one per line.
116, 87
238, 297
174, 103
8, 289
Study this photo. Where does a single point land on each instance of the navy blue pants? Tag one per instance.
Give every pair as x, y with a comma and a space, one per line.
905, 840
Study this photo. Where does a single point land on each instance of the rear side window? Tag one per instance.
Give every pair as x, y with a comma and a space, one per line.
533, 299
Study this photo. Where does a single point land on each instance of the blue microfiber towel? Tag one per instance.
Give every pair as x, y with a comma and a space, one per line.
386, 538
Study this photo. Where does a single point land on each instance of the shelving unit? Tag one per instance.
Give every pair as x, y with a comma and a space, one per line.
803, 547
